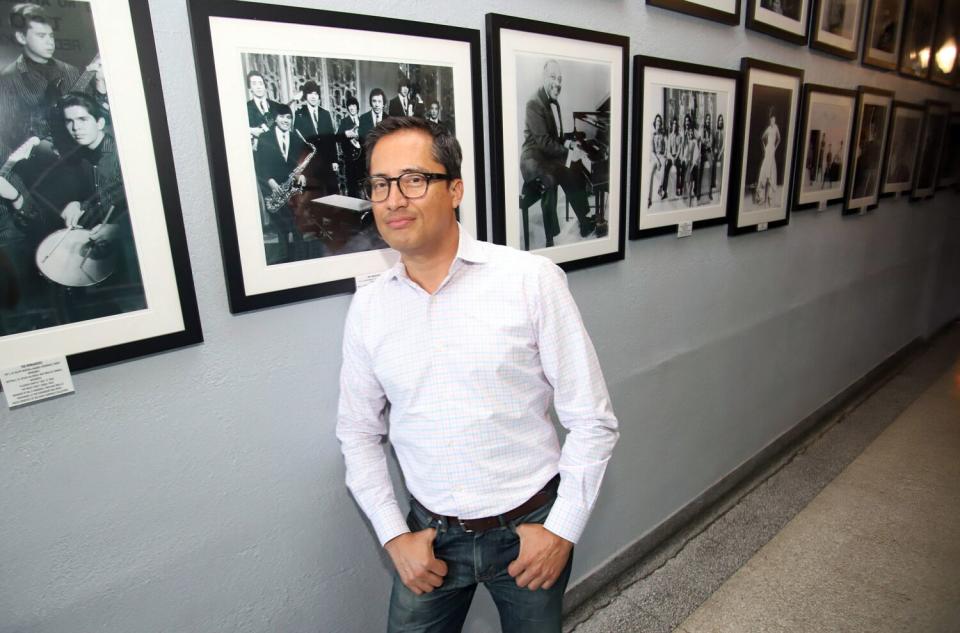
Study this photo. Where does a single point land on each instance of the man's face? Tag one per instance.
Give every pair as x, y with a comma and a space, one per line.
404, 91
352, 109
434, 111
552, 80
284, 121
83, 128
38, 42
313, 99
419, 225
257, 87
376, 102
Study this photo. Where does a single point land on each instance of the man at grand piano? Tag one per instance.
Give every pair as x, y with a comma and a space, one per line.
315, 125
278, 154
546, 156
351, 147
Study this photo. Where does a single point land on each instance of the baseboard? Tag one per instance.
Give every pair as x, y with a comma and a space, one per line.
681, 525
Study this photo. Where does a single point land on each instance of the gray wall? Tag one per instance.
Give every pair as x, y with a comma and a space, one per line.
202, 489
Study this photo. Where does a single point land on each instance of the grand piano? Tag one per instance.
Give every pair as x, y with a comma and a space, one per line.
591, 131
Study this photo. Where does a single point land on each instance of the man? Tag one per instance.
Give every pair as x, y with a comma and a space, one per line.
348, 135
546, 156
314, 124
374, 116
467, 344
31, 85
278, 154
405, 104
433, 115
261, 110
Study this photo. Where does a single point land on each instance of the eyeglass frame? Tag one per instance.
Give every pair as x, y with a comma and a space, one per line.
430, 177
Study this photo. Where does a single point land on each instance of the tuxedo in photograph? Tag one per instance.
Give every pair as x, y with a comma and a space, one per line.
317, 128
270, 162
543, 159
354, 166
397, 107
262, 114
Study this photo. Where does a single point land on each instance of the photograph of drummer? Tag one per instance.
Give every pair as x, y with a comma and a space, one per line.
49, 196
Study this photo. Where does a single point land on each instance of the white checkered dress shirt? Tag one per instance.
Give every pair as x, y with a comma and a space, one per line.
469, 373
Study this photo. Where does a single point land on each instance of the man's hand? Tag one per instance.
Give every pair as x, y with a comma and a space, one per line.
7, 191
71, 214
412, 555
543, 555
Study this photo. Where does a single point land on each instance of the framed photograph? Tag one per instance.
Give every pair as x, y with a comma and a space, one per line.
723, 11
836, 27
289, 96
921, 18
821, 164
869, 144
683, 127
943, 65
949, 172
769, 100
93, 257
906, 126
936, 116
558, 101
784, 19
881, 41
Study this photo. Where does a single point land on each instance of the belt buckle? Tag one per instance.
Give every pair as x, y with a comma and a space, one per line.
464, 527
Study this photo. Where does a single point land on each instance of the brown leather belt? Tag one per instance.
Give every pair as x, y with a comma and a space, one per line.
535, 502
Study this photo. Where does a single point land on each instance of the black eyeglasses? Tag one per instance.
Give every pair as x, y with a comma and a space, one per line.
411, 185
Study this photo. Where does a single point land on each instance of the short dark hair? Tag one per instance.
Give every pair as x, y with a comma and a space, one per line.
374, 93
84, 101
21, 15
255, 73
310, 86
403, 82
446, 149
351, 100
282, 110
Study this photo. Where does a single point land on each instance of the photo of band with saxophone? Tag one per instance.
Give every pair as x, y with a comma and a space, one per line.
67, 251
308, 118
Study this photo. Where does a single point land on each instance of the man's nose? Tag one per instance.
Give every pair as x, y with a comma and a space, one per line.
395, 198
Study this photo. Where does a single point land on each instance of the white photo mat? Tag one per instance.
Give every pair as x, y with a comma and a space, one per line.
869, 98
836, 191
899, 117
797, 27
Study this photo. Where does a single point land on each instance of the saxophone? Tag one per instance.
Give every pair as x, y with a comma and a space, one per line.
290, 187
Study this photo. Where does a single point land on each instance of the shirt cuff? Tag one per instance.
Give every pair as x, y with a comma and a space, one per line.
567, 520
389, 524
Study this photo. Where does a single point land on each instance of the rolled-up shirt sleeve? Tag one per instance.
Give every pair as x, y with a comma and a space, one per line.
581, 401
362, 431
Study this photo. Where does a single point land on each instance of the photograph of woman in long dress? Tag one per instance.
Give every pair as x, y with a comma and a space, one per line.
766, 154
658, 159
766, 191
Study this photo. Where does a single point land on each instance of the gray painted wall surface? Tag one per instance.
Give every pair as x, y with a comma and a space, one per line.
202, 490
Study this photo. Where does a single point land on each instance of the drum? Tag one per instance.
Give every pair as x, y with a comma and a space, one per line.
70, 257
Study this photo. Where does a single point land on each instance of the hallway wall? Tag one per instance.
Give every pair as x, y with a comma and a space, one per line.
202, 490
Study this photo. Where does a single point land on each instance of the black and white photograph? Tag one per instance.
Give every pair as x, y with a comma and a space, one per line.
783, 19
309, 118
684, 123
558, 108
943, 65
723, 11
821, 167
935, 120
869, 139
906, 125
949, 171
289, 96
83, 256
921, 18
881, 41
836, 27
771, 101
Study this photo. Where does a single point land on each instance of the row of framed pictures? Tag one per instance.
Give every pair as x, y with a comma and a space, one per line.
918, 38
112, 281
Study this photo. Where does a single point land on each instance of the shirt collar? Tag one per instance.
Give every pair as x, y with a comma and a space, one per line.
469, 250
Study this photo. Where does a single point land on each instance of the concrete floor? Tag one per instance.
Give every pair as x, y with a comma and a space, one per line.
859, 531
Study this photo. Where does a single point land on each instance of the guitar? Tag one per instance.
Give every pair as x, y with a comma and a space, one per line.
26, 214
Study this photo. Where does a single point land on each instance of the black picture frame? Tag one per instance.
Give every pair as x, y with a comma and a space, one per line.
586, 55
884, 26
781, 78
353, 43
936, 116
866, 155
823, 162
687, 77
787, 28
900, 159
823, 40
947, 31
169, 318
701, 10
918, 31
948, 174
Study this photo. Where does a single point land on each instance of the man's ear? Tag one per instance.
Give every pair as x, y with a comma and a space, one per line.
101, 123
456, 192
21, 38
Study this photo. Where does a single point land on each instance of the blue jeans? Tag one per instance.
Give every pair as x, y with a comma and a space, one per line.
473, 558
